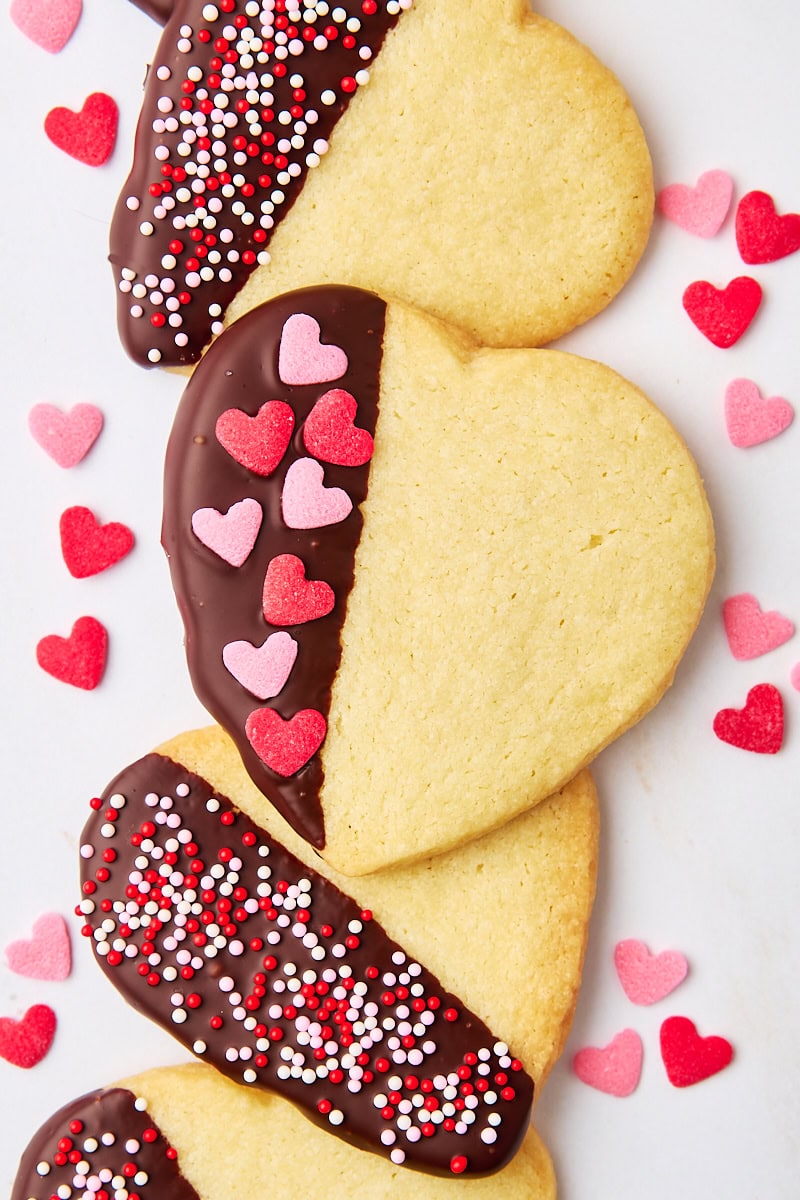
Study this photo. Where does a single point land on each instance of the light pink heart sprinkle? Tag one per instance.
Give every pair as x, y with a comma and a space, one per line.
794, 676
750, 417
230, 535
700, 209
750, 630
306, 502
264, 669
647, 977
66, 436
614, 1069
47, 954
48, 23
302, 358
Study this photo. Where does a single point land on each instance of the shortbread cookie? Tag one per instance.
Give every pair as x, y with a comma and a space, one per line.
493, 172
187, 1133
263, 967
423, 584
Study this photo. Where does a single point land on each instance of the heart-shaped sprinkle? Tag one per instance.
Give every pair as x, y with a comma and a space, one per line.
749, 630
89, 547
688, 1057
794, 676
302, 357
330, 432
761, 234
264, 669
285, 746
88, 135
258, 443
48, 23
46, 955
700, 209
79, 659
66, 436
305, 501
752, 419
758, 726
645, 977
723, 315
289, 598
25, 1042
614, 1069
230, 535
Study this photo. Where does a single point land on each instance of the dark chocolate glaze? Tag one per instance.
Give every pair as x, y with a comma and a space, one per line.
220, 603
263, 968
170, 290
111, 1118
159, 10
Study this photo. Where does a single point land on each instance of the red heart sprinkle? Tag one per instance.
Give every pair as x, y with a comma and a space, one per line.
25, 1043
285, 746
88, 135
330, 433
688, 1057
723, 315
758, 726
79, 659
258, 443
89, 547
291, 599
761, 235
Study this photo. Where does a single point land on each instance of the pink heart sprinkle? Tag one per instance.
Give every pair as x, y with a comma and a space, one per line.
614, 1069
264, 669
46, 955
700, 209
230, 535
749, 630
752, 419
647, 977
794, 676
302, 358
330, 432
48, 23
306, 502
66, 436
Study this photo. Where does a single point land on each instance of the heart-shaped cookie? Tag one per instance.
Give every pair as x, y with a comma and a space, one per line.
143, 1127
227, 972
535, 553
296, 168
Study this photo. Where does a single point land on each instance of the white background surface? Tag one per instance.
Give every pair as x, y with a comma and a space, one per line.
700, 840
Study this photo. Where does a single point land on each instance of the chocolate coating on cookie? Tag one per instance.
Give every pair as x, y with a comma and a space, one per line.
240, 102
263, 968
102, 1137
224, 605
